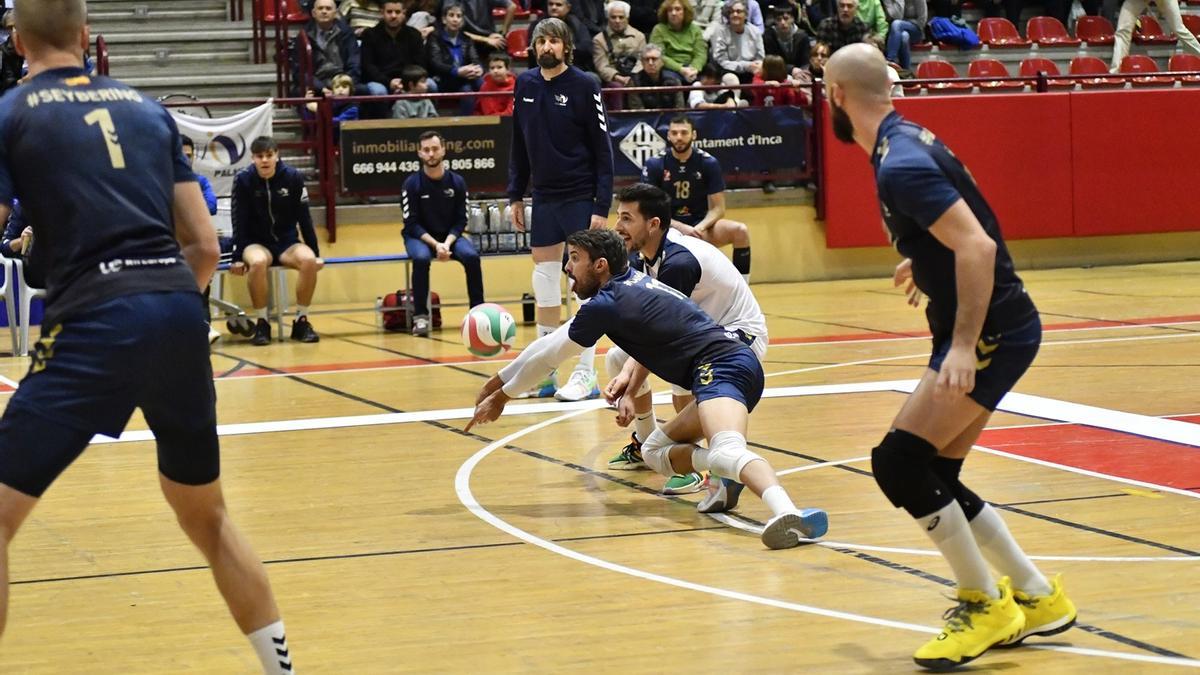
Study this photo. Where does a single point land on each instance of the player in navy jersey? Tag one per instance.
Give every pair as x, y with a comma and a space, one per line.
561, 146
986, 333
701, 272
693, 179
663, 330
124, 326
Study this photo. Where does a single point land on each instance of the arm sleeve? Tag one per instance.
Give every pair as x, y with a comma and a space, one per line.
307, 232
410, 208
460, 209
210, 197
354, 59
518, 159
695, 98
600, 58
538, 359
601, 150
682, 272
754, 15
918, 190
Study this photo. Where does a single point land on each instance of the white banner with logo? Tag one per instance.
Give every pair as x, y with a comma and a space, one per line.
223, 144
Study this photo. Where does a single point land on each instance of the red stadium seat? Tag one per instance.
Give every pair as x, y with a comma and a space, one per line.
520, 13
1140, 63
992, 68
1031, 67
518, 43
996, 32
1047, 31
940, 70
1148, 32
1097, 31
292, 7
1090, 65
1192, 23
1186, 63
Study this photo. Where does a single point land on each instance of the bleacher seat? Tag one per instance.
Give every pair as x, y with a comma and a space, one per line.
518, 44
997, 32
992, 68
1031, 67
1090, 65
1047, 31
1181, 63
940, 70
1148, 32
521, 13
292, 8
1192, 23
1097, 31
1140, 63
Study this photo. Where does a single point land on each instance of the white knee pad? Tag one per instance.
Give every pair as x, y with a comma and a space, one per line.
726, 455
546, 290
614, 361
656, 452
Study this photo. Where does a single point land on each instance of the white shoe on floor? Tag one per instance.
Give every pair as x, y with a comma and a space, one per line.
582, 384
213, 335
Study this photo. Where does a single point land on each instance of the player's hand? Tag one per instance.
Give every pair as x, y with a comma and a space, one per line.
598, 223
490, 387
687, 230
957, 375
320, 263
237, 269
26, 238
625, 411
518, 215
489, 409
443, 252
902, 275
616, 388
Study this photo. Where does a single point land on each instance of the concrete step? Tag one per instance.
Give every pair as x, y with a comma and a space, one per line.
101, 18
195, 32
176, 62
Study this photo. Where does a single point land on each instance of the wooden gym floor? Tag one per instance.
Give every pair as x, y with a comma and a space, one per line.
398, 543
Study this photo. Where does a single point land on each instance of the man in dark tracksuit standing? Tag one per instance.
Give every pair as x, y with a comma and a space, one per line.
270, 204
561, 145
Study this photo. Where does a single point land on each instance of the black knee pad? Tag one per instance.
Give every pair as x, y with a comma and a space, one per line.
902, 468
948, 469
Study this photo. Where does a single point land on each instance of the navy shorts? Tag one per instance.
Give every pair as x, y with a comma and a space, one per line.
276, 248
148, 350
1002, 358
737, 375
552, 222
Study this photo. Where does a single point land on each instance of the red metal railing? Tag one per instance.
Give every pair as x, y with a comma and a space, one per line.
101, 56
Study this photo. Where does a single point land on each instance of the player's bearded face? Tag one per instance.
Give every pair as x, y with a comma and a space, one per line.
843, 128
581, 274
549, 52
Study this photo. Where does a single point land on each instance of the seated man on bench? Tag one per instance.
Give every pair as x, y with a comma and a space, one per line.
270, 216
434, 205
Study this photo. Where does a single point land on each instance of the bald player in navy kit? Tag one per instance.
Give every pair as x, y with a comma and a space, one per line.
124, 324
667, 333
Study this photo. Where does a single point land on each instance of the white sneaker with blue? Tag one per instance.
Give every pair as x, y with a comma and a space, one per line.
581, 385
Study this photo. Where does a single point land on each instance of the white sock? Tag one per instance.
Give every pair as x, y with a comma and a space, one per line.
644, 425
777, 499
948, 529
270, 643
301, 310
261, 313
1003, 552
587, 360
543, 331
746, 277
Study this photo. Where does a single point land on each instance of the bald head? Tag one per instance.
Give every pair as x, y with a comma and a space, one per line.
861, 72
54, 24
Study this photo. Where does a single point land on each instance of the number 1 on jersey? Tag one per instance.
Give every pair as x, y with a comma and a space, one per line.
104, 119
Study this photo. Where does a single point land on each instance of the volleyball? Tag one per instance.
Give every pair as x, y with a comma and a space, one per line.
488, 330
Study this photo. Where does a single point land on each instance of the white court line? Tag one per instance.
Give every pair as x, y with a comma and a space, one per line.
10, 382
462, 487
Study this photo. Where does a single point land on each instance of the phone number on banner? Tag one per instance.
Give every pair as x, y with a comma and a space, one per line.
461, 164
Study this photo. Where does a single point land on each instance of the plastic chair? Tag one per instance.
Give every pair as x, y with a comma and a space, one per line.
997, 32
1097, 31
1090, 65
518, 43
1186, 63
992, 68
1140, 63
940, 70
1047, 31
1192, 23
27, 293
1148, 32
1031, 68
8, 289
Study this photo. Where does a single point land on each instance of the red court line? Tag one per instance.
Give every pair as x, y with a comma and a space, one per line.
1105, 451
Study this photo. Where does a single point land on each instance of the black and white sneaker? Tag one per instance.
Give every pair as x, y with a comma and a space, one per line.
262, 333
302, 330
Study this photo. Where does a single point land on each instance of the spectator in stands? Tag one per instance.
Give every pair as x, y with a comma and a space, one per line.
434, 205
617, 49
343, 110
360, 14
561, 9
413, 80
908, 28
685, 51
270, 203
334, 47
710, 18
17, 243
499, 78
816, 63
653, 75
845, 28
422, 15
453, 59
708, 99
1172, 23
12, 64
389, 46
782, 89
480, 26
643, 15
786, 40
871, 12
737, 46
592, 14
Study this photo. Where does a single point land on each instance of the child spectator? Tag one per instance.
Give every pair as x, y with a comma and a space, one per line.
415, 80
782, 89
498, 79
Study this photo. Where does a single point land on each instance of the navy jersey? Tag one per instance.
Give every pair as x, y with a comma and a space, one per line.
919, 179
560, 140
270, 211
434, 207
94, 164
655, 324
688, 183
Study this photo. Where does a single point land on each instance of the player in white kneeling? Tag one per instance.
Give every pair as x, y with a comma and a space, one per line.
700, 271
663, 330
